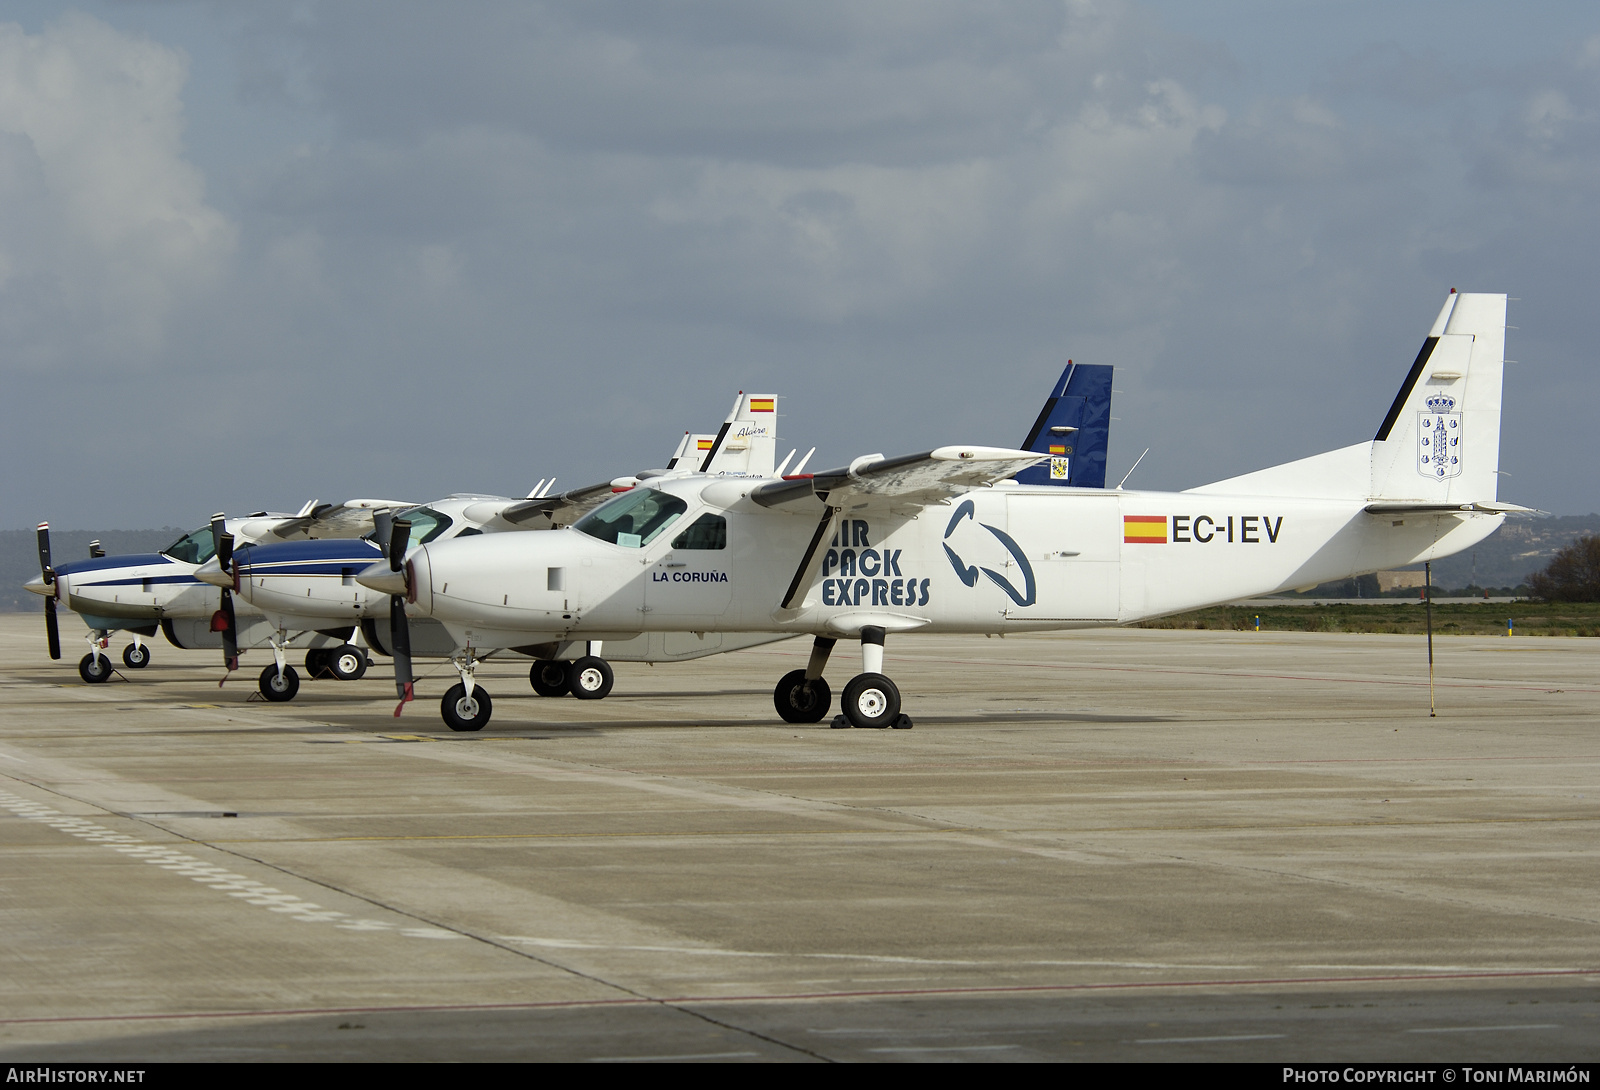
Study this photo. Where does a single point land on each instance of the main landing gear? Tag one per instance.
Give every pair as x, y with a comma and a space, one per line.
869, 699
346, 662
136, 656
588, 678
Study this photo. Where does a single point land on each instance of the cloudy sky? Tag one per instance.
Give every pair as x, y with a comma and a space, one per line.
256, 254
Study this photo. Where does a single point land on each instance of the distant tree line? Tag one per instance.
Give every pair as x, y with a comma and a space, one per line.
1573, 575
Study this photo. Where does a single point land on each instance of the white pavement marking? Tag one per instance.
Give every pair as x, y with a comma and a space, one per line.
218, 878
1483, 1029
1193, 1040
667, 1057
946, 1048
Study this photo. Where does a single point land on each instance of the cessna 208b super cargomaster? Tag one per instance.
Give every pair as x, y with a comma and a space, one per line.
939, 542
308, 585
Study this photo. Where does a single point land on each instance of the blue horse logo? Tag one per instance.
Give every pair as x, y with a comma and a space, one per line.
968, 573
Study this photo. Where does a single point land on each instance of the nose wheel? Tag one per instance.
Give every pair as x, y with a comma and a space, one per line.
465, 711
279, 686
94, 668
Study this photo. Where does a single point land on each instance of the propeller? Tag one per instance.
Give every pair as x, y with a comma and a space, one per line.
95, 551
52, 630
223, 620
399, 630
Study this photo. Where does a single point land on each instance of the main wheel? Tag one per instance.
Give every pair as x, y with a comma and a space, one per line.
136, 656
591, 678
870, 700
463, 712
800, 702
278, 687
347, 662
94, 668
550, 678
317, 662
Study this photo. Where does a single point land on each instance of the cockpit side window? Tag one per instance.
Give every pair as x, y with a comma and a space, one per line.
426, 524
195, 548
633, 520
706, 532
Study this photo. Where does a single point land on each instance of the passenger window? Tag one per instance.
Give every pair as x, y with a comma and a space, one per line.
708, 532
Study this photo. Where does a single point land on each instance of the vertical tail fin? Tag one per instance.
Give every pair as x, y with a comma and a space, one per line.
748, 441
1074, 428
1440, 442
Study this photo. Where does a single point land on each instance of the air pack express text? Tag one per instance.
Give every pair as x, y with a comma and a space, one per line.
867, 576
1244, 529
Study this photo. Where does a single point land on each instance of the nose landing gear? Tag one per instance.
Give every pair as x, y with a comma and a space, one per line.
95, 667
465, 707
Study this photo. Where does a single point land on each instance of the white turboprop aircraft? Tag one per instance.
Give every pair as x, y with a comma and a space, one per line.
144, 592
306, 586
941, 542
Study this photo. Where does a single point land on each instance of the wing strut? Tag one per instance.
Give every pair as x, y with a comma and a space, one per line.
797, 584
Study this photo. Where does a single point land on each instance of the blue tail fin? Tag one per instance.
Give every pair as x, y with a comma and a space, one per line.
1074, 428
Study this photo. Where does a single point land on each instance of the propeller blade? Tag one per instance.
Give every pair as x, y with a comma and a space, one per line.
52, 630
225, 556
400, 651
230, 635
399, 537
45, 569
95, 550
382, 527
399, 629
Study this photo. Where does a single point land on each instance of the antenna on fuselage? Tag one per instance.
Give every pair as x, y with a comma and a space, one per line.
1131, 468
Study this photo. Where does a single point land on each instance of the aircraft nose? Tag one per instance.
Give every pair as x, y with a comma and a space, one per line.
381, 578
211, 572
37, 585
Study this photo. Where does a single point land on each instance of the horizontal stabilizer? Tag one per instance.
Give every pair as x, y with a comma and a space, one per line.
1488, 508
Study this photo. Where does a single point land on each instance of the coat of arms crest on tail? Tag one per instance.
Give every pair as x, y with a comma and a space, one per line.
1439, 438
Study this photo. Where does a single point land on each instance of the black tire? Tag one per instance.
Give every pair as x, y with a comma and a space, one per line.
279, 688
94, 668
591, 678
871, 700
136, 656
347, 662
463, 713
550, 677
798, 702
317, 663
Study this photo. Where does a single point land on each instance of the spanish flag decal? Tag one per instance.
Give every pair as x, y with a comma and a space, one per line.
762, 405
703, 444
1150, 529
1058, 450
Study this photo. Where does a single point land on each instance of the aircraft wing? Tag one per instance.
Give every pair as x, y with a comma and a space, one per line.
901, 485
564, 507
352, 518
909, 481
